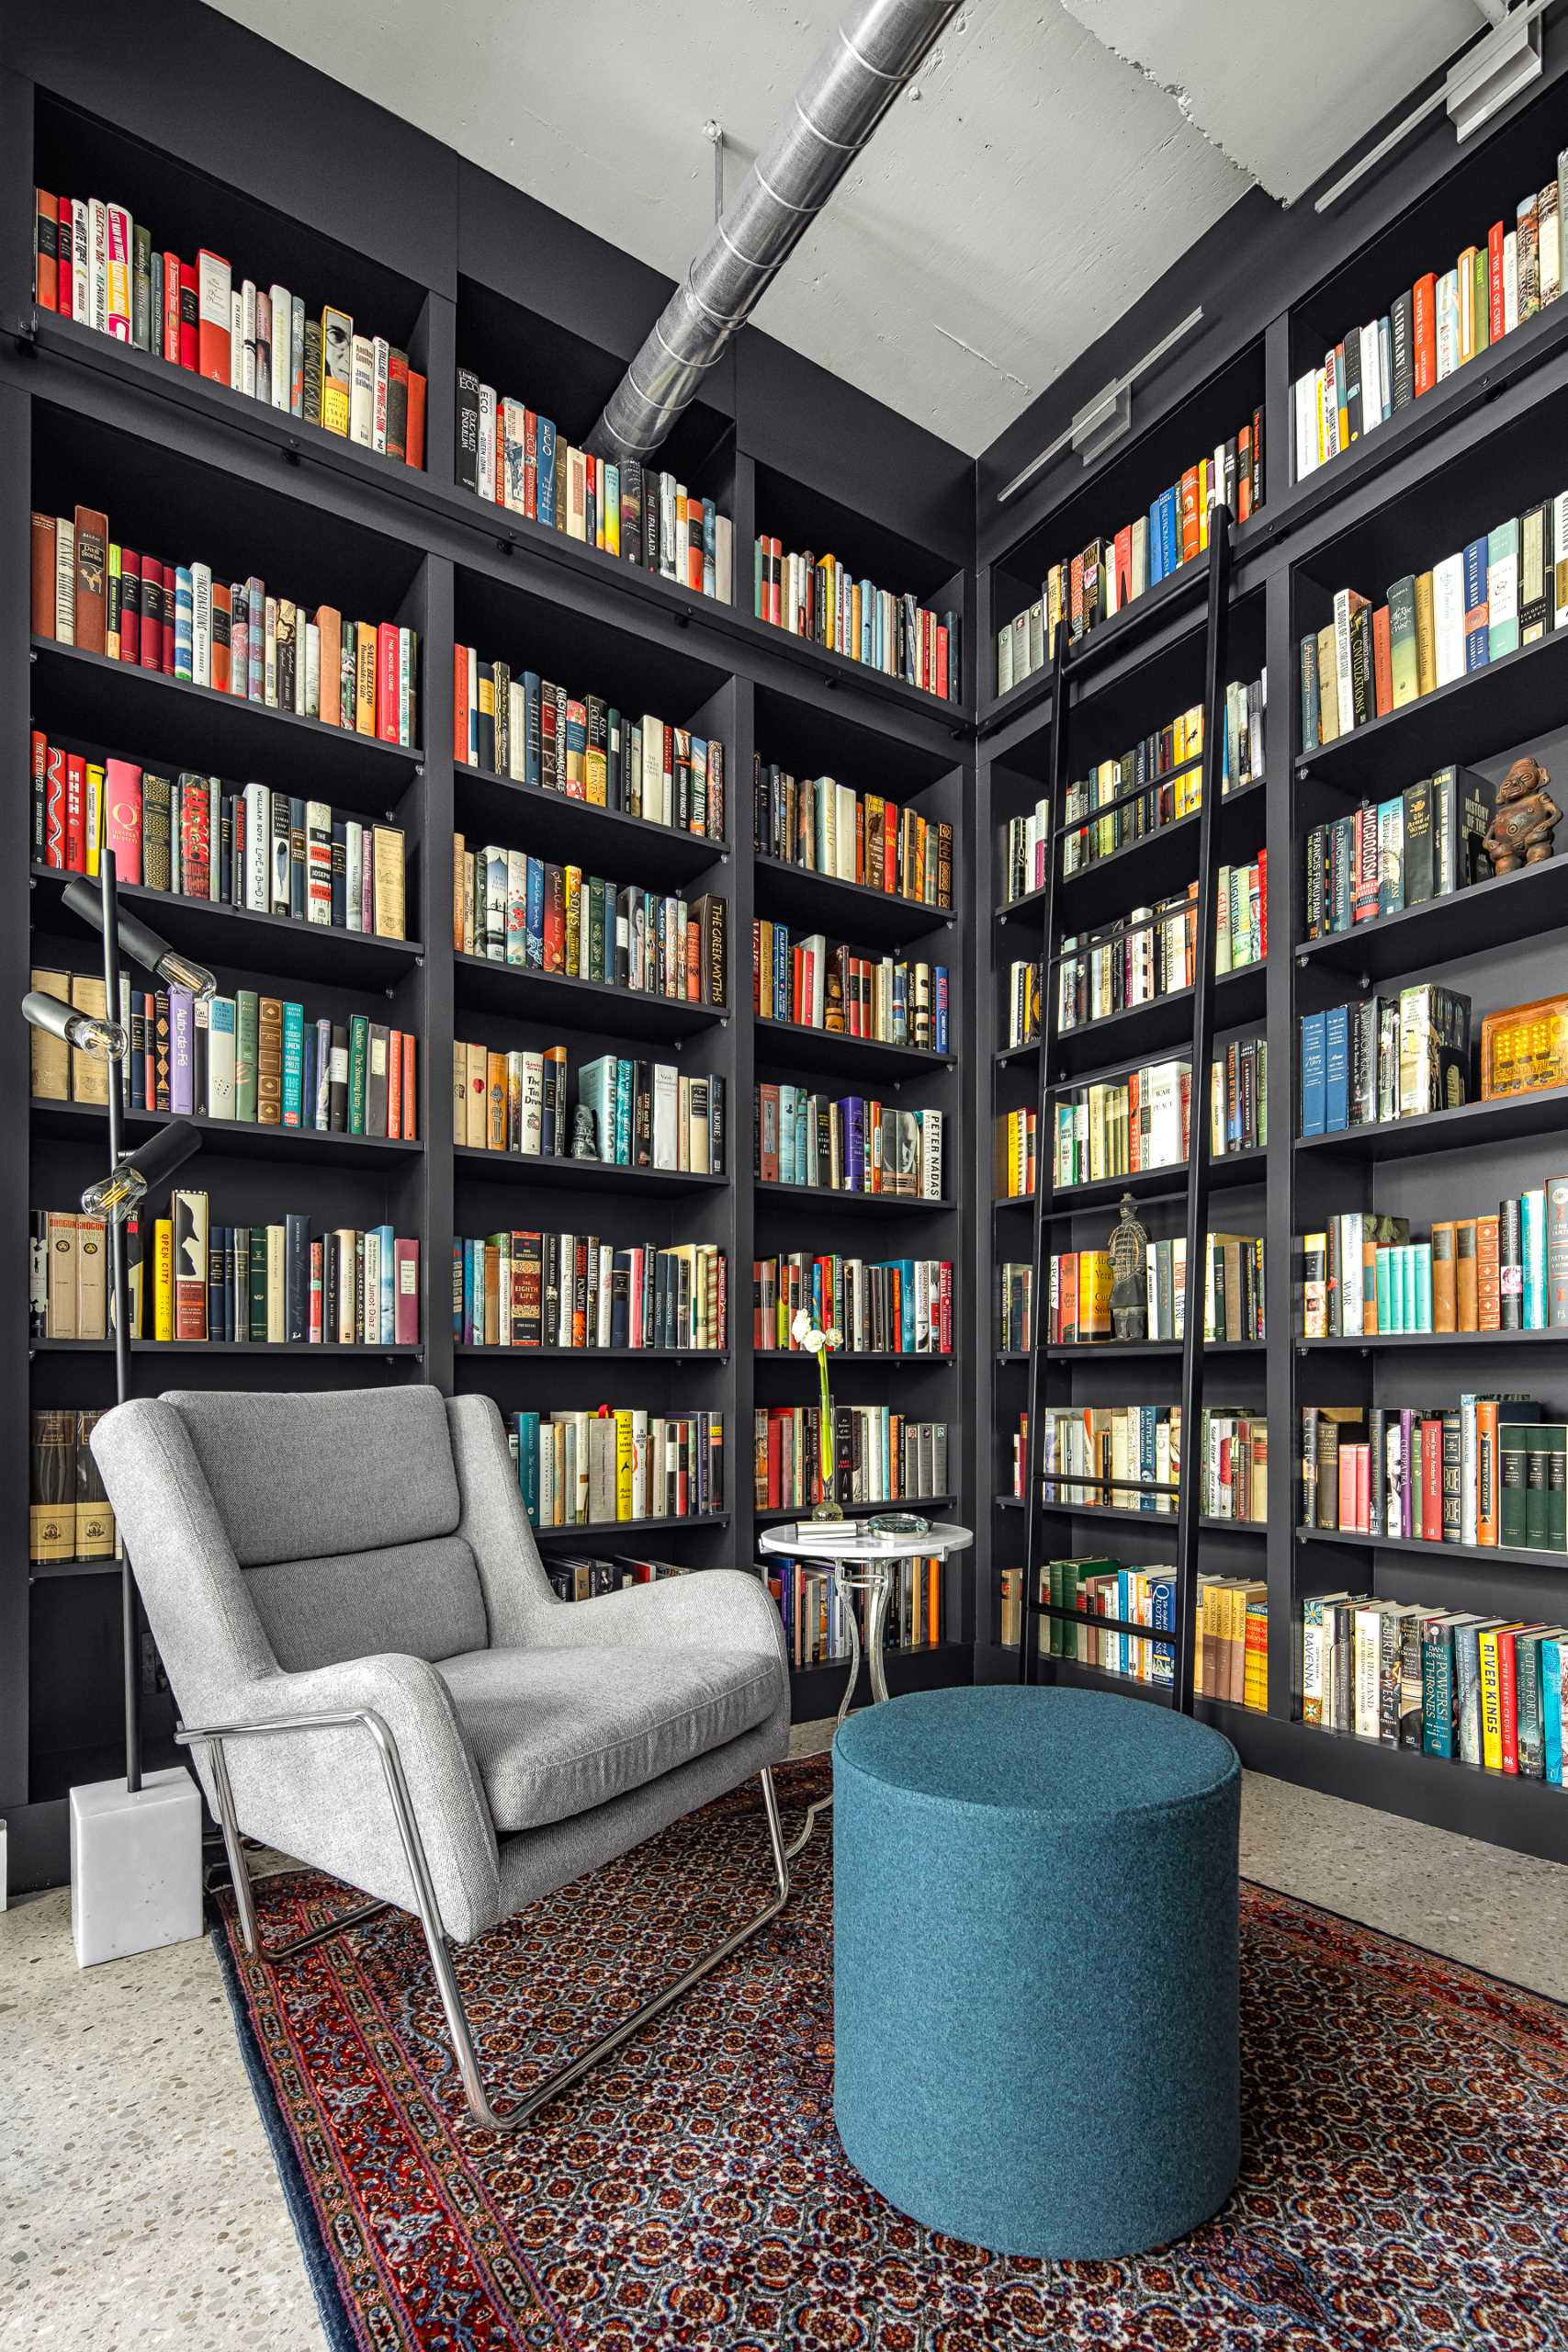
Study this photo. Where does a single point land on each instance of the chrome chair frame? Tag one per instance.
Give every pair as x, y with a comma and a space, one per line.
214, 1738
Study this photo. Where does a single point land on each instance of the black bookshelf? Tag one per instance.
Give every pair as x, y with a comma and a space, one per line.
1282, 288
453, 266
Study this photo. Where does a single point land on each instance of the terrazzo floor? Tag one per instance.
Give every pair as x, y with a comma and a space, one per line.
142, 2204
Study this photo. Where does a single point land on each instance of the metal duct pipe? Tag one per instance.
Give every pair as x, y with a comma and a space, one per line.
873, 56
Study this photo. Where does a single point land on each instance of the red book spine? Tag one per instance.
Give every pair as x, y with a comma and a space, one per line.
189, 319
395, 1086
166, 622
1495, 314
1432, 1480
1509, 1700
75, 813
1424, 308
54, 809
1383, 661
411, 1099
39, 837
46, 263
405, 1293
555, 918
387, 682
66, 249
531, 463
942, 687
129, 605
313, 1328
460, 703
170, 320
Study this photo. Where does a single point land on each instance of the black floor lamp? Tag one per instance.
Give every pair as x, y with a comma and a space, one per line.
135, 1881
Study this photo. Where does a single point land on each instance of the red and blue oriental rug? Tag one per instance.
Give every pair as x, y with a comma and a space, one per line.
1404, 2180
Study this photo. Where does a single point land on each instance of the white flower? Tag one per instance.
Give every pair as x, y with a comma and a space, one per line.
804, 1333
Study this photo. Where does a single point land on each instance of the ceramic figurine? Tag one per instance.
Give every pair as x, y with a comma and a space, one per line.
1128, 1252
1525, 819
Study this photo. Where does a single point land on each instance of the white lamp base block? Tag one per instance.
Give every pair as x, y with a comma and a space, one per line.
135, 1866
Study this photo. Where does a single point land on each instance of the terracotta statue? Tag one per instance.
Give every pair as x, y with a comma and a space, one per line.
1525, 819
1128, 1252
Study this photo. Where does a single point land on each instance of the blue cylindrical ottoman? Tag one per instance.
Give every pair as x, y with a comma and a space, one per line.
1035, 1966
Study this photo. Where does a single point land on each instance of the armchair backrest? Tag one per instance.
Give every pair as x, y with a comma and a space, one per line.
292, 1531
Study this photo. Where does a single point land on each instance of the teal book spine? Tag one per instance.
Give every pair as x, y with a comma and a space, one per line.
626, 1089
1422, 1256
786, 1135
1551, 1709
293, 1065
1385, 1289
1532, 1229
527, 1427
1438, 1690
386, 1286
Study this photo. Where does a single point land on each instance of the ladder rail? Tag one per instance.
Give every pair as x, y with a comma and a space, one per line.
1045, 1167
1200, 1114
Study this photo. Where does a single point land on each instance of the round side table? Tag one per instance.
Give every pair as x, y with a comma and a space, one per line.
863, 1563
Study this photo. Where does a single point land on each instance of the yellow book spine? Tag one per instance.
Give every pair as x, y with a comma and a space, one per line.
1491, 1704
364, 678
626, 1466
163, 1279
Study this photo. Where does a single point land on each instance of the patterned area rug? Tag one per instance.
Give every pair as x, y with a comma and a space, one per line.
1405, 2179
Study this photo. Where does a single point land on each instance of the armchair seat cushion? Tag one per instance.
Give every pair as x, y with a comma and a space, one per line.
556, 1732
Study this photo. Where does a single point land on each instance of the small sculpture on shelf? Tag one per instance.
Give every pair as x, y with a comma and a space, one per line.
1128, 1250
584, 1143
1524, 820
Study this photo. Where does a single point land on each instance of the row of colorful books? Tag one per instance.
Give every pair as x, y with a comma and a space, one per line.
513, 723
96, 265
1383, 1058
512, 908
190, 1279
881, 1307
1111, 573
1123, 1127
1078, 1295
882, 1456
848, 1144
1152, 951
1473, 1689
1128, 1457
90, 592
573, 1290
1361, 1275
1422, 843
643, 1113
1481, 1471
1230, 1633
815, 1606
818, 597
616, 1465
892, 1000
1432, 329
244, 847
862, 837
1505, 588
511, 456
253, 1059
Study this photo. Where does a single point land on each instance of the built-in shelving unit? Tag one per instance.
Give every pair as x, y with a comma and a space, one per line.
456, 268
1455, 461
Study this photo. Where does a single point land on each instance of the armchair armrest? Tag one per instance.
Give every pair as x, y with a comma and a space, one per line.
319, 1789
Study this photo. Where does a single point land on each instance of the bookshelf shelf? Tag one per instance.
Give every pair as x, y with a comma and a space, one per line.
1116, 1514
906, 1357
590, 1530
1083, 1351
84, 1123
523, 992
880, 918
706, 1356
154, 716
1474, 1126
321, 1351
1489, 915
551, 825
827, 1197
279, 945
526, 1169
794, 1044
1495, 1555
1153, 1184
1506, 701
1163, 1023
1361, 1343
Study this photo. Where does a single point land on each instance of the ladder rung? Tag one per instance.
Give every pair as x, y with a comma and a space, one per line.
1128, 1485
1134, 792
1104, 1625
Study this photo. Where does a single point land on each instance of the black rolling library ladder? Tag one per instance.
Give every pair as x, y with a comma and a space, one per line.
1188, 1486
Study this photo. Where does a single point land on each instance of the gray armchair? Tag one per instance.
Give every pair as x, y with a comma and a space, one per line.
375, 1676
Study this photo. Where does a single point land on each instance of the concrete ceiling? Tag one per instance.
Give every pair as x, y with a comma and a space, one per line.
1052, 160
